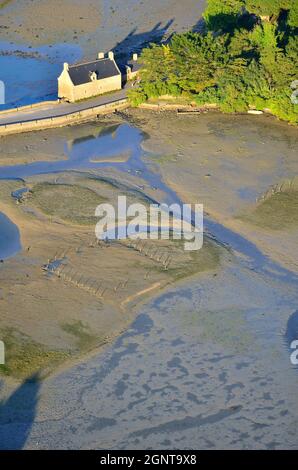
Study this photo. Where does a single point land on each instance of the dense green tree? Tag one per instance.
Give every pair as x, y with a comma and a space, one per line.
204, 58
236, 67
223, 14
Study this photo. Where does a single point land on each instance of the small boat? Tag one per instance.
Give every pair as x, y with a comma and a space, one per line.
254, 111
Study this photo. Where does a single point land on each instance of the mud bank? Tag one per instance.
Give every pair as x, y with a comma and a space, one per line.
227, 163
66, 293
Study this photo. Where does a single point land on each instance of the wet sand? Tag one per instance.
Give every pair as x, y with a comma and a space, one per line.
94, 22
226, 163
36, 43
206, 364
65, 294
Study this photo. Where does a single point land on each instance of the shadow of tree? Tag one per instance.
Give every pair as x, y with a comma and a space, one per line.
228, 22
135, 41
17, 414
292, 328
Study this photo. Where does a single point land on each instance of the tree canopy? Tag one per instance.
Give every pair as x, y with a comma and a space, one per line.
247, 56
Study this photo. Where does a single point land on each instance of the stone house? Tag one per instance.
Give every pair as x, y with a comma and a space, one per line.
132, 68
89, 79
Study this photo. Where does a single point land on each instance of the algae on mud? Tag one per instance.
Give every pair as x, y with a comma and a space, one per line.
279, 212
75, 204
25, 357
67, 294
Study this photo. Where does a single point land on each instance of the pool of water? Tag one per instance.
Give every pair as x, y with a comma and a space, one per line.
10, 242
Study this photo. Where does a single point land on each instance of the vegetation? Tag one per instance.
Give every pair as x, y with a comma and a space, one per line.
246, 57
85, 340
4, 3
279, 212
72, 203
24, 357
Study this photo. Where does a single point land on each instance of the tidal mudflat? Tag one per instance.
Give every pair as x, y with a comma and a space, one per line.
76, 293
206, 363
231, 164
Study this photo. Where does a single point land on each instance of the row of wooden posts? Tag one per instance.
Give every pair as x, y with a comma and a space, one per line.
142, 246
96, 287
153, 252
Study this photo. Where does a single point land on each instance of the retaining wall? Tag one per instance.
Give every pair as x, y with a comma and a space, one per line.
62, 120
29, 106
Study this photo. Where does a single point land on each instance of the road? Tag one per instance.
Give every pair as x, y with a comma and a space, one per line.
54, 110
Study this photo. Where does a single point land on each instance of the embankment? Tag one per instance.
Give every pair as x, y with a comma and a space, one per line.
64, 119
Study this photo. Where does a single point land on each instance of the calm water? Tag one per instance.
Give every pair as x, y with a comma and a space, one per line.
9, 238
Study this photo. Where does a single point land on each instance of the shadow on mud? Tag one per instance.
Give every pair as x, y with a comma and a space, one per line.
17, 414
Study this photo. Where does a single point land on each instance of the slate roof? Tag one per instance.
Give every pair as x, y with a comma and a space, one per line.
104, 68
134, 65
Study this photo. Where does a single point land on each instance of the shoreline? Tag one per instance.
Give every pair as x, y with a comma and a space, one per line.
89, 115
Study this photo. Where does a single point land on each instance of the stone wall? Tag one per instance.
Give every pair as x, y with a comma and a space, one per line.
63, 120
98, 87
19, 109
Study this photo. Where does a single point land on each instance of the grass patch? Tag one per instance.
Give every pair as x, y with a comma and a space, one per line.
205, 259
279, 212
85, 340
7, 187
71, 203
161, 159
24, 357
5, 3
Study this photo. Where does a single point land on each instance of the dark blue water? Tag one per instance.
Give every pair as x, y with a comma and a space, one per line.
10, 242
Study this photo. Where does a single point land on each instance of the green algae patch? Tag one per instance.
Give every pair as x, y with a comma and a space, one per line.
81, 332
24, 357
278, 212
206, 259
71, 203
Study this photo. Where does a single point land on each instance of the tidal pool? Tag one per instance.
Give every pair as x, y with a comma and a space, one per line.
9, 238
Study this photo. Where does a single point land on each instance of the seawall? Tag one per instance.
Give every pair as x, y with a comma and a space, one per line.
64, 119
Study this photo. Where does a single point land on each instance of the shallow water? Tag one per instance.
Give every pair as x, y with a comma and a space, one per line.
9, 238
203, 366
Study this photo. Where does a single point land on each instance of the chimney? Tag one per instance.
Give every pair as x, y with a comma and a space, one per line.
101, 55
111, 55
135, 57
66, 67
